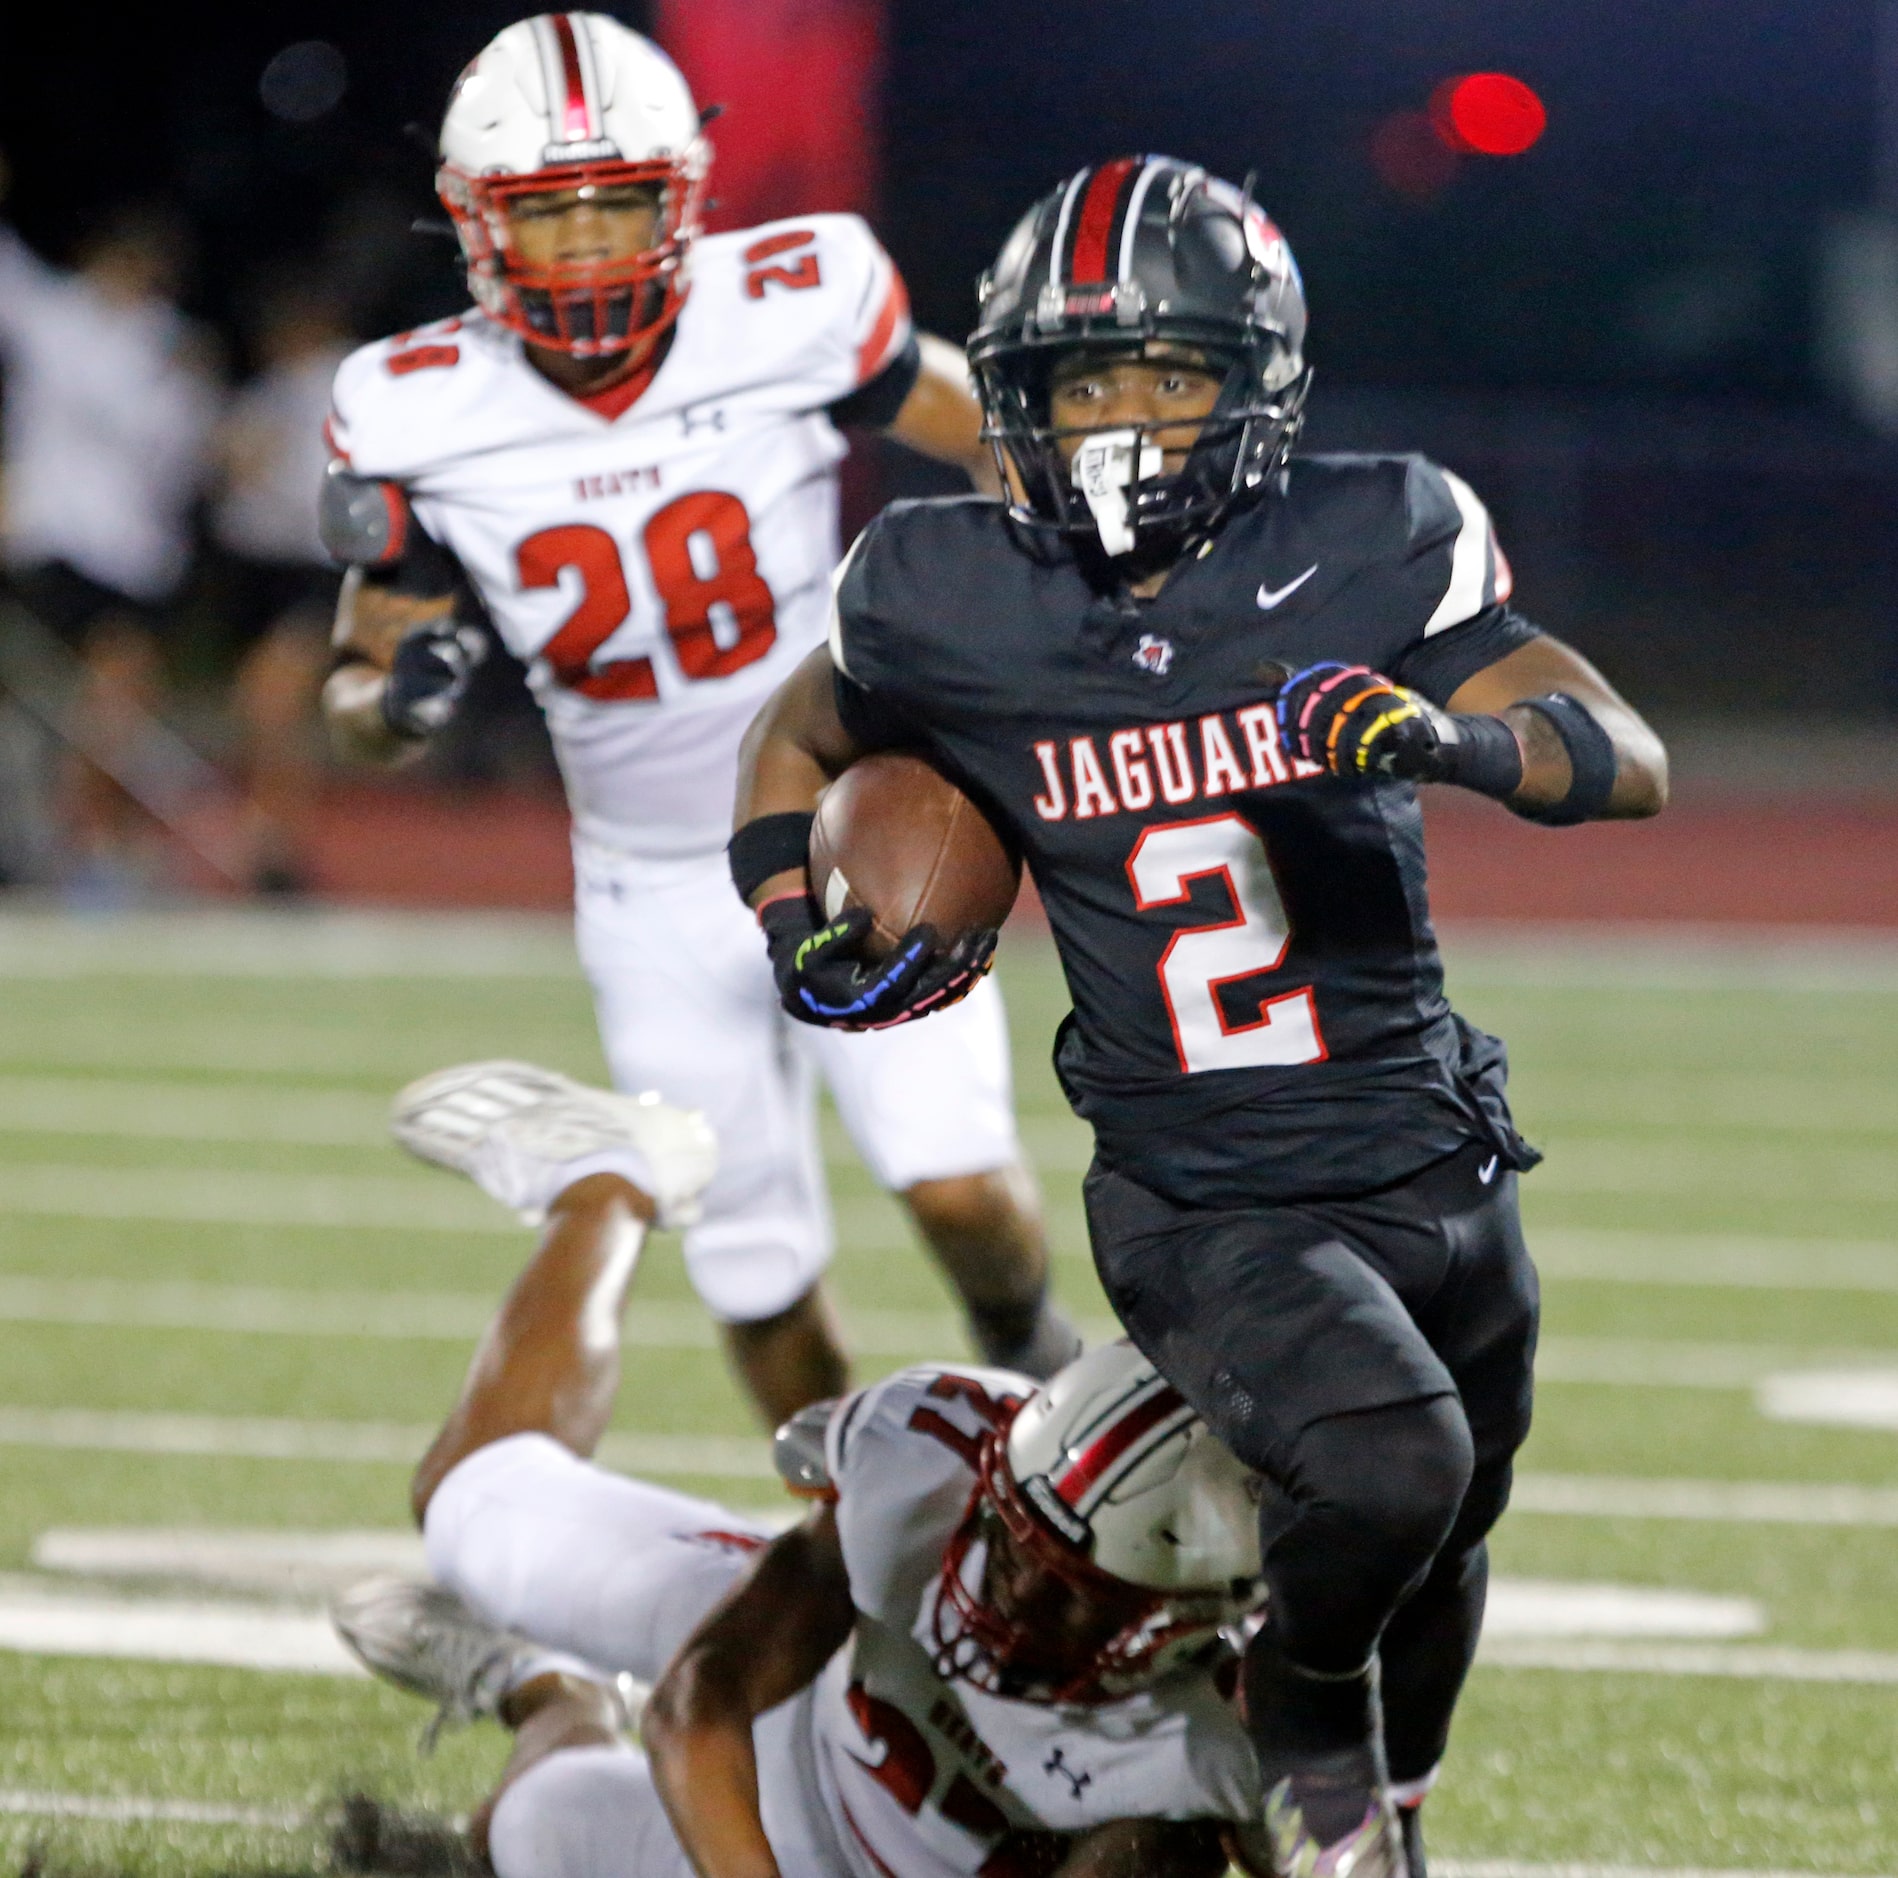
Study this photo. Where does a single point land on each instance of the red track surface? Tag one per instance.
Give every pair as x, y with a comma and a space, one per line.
1712, 857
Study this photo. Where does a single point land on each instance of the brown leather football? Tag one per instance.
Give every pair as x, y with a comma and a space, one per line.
896, 836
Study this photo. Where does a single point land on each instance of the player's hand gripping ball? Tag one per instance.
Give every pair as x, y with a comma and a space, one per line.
1353, 721
429, 675
824, 976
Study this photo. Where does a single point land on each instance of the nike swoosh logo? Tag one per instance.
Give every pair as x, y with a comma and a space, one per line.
1487, 1172
1268, 599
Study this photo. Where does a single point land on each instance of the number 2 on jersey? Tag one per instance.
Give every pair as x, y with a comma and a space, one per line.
719, 611
1198, 961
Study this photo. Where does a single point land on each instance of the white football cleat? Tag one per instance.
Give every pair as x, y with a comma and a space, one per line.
425, 1640
522, 1134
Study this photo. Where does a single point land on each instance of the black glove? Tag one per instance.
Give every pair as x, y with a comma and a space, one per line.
429, 674
824, 979
1352, 721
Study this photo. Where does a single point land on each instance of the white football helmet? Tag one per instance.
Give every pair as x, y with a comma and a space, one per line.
572, 101
1107, 1479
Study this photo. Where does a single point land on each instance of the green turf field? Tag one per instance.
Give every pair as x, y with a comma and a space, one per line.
225, 1303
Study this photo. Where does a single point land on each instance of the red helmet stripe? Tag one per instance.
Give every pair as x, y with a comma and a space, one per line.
1112, 1442
577, 121
1095, 226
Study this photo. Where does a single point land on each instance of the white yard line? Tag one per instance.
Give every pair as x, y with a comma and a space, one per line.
1725, 1260
1521, 1868
143, 1808
151, 1110
1737, 1502
1751, 1662
244, 1197
1866, 1398
258, 943
228, 1437
436, 1316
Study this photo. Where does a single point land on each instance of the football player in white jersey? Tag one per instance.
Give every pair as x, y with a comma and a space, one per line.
628, 450
994, 1648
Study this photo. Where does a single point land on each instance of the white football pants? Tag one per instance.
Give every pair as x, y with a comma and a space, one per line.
686, 1004
617, 1573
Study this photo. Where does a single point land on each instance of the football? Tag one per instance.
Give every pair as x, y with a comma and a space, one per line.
896, 836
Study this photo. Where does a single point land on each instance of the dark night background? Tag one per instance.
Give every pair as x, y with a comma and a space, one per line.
1614, 334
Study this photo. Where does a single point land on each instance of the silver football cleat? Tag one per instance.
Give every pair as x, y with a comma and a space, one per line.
425, 1640
518, 1131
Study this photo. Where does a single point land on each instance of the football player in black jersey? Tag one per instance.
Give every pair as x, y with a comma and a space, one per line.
1196, 679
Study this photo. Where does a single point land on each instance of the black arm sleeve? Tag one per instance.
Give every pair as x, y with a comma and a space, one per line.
1439, 666
874, 406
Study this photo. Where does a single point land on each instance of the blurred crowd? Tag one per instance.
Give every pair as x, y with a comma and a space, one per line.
158, 524
165, 601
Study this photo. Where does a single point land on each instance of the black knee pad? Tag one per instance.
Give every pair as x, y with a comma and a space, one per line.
1368, 1503
1401, 1473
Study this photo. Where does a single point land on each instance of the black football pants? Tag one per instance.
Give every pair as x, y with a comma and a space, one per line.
1371, 1357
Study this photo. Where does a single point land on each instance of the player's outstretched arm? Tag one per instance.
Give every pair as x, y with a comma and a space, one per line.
1539, 729
941, 418
1546, 667
763, 1644
1147, 1848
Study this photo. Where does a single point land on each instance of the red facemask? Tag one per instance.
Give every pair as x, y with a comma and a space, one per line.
589, 311
1006, 1653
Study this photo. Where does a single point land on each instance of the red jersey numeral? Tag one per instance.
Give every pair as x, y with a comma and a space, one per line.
604, 603
706, 571
720, 614
991, 1410
791, 275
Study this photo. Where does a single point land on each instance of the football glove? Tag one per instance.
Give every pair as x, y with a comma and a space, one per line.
824, 979
429, 675
1353, 721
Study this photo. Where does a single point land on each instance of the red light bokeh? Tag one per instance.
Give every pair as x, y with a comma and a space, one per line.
1410, 158
1487, 114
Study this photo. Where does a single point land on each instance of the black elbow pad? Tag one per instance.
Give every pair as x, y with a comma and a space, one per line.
366, 521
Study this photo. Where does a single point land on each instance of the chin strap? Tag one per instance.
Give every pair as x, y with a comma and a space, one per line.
1104, 471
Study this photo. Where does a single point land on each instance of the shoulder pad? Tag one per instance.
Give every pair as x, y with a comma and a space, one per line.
364, 520
797, 1451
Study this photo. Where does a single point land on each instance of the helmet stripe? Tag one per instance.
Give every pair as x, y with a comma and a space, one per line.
1094, 227
1059, 245
1130, 222
576, 118
1086, 1468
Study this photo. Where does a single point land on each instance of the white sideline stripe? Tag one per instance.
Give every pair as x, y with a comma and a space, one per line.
1865, 1399
747, 1457
731, 1457
258, 943
435, 1316
1549, 1610
1723, 1260
1751, 1662
42, 1621
313, 1565
1738, 1502
141, 1808
242, 1197
309, 1566
187, 1111
1520, 1868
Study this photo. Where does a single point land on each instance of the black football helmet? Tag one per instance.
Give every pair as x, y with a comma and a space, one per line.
1125, 253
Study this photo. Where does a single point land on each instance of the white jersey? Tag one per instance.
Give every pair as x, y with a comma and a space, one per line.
659, 571
108, 423
929, 1777
267, 509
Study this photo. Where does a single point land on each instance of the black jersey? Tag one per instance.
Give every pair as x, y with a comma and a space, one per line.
1258, 1000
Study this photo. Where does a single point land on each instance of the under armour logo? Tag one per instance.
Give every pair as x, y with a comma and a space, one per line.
713, 420
1058, 1765
1153, 655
